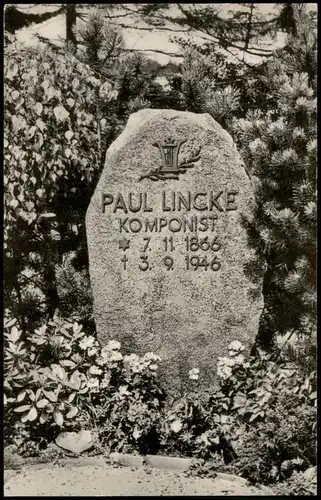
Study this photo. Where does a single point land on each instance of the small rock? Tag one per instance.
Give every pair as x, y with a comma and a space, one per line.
77, 442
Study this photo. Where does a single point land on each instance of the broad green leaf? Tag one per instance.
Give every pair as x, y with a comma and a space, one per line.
76, 328
69, 134
21, 396
40, 193
73, 412
59, 372
42, 403
6, 384
9, 323
14, 203
38, 108
38, 393
239, 400
68, 363
71, 397
21, 409
83, 391
51, 396
75, 381
215, 440
50, 408
25, 417
31, 395
15, 334
266, 397
32, 414
253, 417
44, 417
58, 418
40, 124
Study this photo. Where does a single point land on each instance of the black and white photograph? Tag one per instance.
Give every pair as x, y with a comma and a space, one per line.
159, 249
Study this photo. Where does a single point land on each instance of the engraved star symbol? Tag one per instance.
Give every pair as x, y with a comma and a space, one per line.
124, 244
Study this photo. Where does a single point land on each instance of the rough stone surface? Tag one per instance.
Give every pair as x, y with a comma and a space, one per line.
77, 442
186, 316
126, 459
170, 463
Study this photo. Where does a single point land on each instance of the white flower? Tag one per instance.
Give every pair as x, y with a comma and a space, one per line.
224, 367
176, 425
92, 350
137, 433
93, 384
235, 348
150, 356
94, 370
113, 344
115, 356
224, 372
224, 361
194, 374
123, 390
105, 382
239, 359
104, 89
134, 363
131, 358
87, 342
61, 113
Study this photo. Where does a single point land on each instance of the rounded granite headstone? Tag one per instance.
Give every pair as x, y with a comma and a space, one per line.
167, 248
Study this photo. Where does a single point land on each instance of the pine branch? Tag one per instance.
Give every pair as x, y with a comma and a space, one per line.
157, 51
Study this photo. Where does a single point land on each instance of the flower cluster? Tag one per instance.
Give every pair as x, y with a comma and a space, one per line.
225, 365
109, 354
90, 345
193, 374
135, 364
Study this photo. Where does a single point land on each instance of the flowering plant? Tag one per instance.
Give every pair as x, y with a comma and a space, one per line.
61, 378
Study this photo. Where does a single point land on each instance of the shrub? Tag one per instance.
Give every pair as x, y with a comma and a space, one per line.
58, 378
278, 146
52, 143
273, 407
262, 421
300, 483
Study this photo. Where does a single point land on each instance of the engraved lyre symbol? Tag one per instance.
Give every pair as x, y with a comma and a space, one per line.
171, 168
169, 151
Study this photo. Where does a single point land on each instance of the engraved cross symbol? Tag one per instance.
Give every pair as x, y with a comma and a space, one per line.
169, 151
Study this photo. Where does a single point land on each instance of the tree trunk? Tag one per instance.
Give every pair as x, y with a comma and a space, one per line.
71, 17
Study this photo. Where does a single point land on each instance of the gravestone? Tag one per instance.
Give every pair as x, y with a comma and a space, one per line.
167, 248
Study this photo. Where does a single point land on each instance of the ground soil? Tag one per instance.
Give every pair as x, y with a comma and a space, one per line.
71, 480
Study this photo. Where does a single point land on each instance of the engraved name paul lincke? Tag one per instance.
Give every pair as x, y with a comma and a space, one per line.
207, 247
